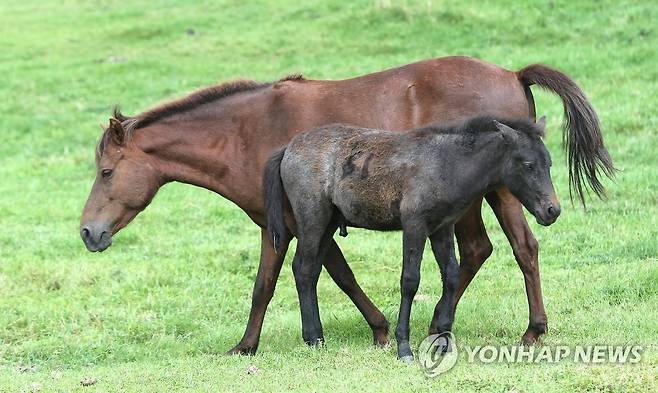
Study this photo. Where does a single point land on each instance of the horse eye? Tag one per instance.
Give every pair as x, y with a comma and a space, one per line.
106, 173
528, 165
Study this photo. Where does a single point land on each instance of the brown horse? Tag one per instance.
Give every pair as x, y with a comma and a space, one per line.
219, 138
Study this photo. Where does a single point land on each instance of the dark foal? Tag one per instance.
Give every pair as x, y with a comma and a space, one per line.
420, 182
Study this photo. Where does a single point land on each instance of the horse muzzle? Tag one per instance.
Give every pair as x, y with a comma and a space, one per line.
547, 216
95, 239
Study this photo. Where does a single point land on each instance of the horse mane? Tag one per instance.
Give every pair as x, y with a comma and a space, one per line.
187, 103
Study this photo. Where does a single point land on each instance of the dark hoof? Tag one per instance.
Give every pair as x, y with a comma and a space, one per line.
242, 350
404, 352
444, 349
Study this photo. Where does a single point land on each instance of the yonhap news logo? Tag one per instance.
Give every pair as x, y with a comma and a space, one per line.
438, 354
588, 354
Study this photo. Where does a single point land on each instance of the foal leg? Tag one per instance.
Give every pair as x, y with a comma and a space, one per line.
341, 273
509, 212
413, 244
313, 242
444, 251
474, 248
268, 273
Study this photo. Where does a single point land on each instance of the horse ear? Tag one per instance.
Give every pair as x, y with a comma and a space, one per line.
509, 134
118, 132
541, 124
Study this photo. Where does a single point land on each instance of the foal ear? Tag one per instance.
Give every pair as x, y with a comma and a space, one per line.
509, 134
118, 132
541, 124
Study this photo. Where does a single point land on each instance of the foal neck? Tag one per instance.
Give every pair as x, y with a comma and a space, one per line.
485, 161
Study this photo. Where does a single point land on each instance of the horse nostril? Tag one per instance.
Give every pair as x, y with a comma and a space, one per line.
553, 211
84, 232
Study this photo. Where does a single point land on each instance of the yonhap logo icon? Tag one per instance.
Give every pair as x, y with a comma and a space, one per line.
438, 353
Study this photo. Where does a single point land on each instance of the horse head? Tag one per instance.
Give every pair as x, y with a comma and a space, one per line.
126, 181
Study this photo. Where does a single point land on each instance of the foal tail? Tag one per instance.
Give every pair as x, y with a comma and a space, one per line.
582, 139
275, 195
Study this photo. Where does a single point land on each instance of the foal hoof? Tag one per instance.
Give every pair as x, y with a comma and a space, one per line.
315, 343
408, 359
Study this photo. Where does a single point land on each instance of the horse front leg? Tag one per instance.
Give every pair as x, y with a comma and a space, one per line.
268, 273
474, 246
413, 244
509, 213
343, 276
443, 248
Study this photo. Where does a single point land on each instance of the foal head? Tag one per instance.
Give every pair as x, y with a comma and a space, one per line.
126, 181
527, 170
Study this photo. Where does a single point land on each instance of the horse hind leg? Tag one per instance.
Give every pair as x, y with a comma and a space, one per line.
341, 273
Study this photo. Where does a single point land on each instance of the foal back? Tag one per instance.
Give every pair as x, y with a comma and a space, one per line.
359, 172
373, 179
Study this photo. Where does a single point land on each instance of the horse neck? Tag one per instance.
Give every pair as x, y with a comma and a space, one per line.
175, 153
209, 151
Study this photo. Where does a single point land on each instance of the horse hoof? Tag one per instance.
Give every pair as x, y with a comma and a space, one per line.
380, 336
384, 344
533, 333
408, 359
241, 350
530, 338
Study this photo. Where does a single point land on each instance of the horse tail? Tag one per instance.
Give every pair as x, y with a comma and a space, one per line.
275, 195
582, 139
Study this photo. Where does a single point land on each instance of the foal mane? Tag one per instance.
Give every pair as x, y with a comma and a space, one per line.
481, 124
187, 103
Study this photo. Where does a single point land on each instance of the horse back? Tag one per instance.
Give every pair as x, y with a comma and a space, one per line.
438, 90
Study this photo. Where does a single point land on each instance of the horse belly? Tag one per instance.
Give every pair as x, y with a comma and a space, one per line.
368, 205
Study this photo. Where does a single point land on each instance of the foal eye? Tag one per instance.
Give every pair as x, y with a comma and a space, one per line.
106, 173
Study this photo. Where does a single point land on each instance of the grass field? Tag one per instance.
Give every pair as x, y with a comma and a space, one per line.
157, 310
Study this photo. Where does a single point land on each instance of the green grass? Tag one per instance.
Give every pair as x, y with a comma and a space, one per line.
157, 310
